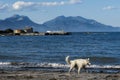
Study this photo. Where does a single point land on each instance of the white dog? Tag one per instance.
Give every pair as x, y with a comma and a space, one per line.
77, 63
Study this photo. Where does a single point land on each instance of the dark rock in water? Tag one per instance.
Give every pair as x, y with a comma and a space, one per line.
101, 71
14, 63
17, 64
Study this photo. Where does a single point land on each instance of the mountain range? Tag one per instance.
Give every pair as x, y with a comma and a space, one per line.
69, 24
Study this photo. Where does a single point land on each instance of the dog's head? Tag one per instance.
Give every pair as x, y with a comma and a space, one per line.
88, 61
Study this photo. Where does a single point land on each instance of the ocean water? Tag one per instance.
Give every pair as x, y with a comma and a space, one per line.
49, 52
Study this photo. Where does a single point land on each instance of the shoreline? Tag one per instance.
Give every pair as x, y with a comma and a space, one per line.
55, 75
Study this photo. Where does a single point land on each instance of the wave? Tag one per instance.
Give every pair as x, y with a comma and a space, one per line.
105, 66
45, 65
54, 65
4, 63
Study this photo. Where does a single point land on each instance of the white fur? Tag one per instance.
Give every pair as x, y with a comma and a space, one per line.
77, 63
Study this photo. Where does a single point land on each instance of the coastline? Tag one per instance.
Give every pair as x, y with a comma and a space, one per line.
55, 75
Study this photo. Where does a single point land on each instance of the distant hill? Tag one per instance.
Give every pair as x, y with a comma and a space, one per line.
70, 24
18, 22
77, 24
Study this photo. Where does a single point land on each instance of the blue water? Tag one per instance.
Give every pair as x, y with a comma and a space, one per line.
102, 48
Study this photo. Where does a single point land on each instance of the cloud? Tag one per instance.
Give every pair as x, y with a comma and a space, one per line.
3, 6
50, 3
23, 5
110, 8
75, 1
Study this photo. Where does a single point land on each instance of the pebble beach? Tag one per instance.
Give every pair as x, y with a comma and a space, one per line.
56, 75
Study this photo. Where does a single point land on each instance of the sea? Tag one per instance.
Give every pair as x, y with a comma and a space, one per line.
48, 52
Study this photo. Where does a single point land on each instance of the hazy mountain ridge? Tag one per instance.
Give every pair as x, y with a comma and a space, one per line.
77, 24
71, 24
18, 22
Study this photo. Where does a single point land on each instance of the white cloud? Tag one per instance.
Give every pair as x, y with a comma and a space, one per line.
109, 8
22, 5
51, 3
75, 1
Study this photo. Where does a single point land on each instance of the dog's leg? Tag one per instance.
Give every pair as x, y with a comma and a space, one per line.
71, 67
86, 70
79, 68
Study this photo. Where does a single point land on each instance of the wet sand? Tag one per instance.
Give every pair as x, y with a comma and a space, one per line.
56, 75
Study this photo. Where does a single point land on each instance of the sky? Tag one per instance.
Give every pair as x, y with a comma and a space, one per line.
40, 11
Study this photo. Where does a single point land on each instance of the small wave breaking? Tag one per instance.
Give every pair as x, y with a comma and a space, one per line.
105, 66
45, 65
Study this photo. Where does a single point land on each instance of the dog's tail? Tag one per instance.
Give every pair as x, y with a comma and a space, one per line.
67, 60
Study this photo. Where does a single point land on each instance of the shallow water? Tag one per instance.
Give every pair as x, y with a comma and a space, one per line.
103, 49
